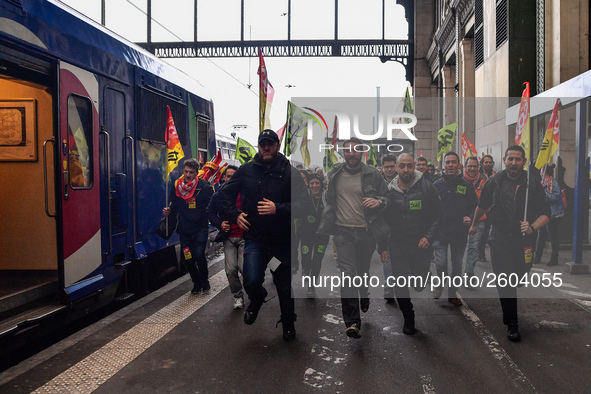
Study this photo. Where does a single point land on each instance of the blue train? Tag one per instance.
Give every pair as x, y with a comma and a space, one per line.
82, 164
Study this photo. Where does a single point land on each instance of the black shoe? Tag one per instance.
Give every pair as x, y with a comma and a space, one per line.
196, 289
251, 313
353, 331
389, 297
364, 304
409, 325
513, 333
289, 331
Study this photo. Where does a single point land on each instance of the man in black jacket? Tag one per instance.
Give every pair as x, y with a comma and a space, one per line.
512, 238
458, 201
189, 197
266, 186
413, 217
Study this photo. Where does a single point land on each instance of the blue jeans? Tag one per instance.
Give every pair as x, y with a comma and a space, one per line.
355, 246
473, 244
195, 261
457, 254
256, 257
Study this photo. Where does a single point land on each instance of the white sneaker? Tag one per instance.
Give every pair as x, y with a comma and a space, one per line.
238, 303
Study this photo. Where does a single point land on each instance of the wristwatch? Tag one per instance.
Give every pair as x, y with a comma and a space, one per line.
532, 228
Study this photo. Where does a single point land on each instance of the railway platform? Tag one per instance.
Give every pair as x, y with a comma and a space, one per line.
173, 342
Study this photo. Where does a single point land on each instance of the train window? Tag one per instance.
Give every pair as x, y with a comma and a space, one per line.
80, 141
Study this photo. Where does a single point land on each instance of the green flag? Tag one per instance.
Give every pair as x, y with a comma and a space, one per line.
297, 123
445, 139
304, 149
245, 152
408, 108
372, 154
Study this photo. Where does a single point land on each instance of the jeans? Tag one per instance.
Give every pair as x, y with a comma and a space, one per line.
234, 254
355, 246
457, 254
256, 257
473, 246
484, 238
550, 229
194, 257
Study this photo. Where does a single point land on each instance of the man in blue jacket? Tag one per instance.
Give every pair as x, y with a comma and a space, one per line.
458, 202
189, 197
270, 188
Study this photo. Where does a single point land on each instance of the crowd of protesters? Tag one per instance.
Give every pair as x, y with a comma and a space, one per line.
405, 210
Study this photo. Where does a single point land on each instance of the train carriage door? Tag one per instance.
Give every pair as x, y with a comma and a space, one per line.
117, 165
80, 188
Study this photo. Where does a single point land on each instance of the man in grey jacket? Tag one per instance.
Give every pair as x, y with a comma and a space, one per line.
356, 199
414, 209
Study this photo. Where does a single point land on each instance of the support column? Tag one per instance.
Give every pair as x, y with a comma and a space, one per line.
581, 191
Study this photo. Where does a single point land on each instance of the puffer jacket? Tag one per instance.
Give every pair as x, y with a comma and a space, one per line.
373, 185
411, 214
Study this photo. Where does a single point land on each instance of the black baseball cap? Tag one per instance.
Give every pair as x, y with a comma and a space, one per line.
268, 134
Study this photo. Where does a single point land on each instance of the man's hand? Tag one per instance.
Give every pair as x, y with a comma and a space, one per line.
384, 256
467, 221
424, 243
166, 211
266, 207
370, 203
242, 222
525, 228
226, 226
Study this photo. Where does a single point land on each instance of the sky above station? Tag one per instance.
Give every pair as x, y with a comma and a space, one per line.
228, 79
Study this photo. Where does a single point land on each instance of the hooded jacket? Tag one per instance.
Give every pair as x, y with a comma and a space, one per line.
413, 213
373, 185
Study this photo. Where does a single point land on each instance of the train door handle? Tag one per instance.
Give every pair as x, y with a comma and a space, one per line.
66, 184
51, 140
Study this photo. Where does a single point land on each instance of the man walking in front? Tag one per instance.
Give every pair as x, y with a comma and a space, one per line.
356, 199
512, 238
266, 186
189, 197
413, 216
458, 201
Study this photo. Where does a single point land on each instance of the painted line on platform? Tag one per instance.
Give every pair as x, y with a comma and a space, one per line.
90, 373
39, 358
518, 378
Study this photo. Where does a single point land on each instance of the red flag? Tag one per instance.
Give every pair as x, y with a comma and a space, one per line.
174, 150
420, 153
281, 132
335, 129
468, 148
220, 173
266, 93
522, 128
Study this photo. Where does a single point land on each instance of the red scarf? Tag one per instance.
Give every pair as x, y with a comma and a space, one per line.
473, 180
185, 190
